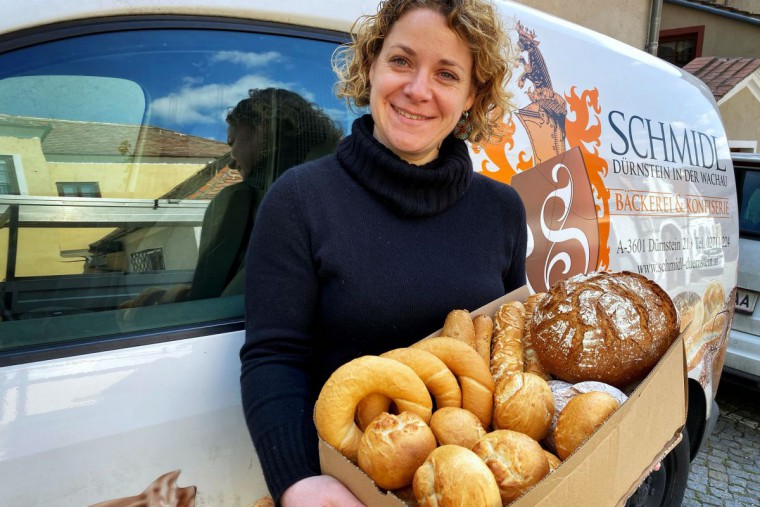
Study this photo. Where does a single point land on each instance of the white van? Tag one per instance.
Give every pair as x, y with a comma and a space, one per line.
113, 143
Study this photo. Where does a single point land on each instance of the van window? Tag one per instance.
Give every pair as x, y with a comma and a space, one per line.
748, 189
122, 210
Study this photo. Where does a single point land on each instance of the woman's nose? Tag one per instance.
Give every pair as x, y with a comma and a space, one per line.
418, 87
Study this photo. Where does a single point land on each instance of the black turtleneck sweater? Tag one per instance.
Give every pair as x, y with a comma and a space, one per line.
359, 253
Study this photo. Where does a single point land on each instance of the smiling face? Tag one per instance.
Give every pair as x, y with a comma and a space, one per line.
421, 83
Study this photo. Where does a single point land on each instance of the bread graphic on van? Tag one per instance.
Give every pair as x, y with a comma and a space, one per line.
163, 492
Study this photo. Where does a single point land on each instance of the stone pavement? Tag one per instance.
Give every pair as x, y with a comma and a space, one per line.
727, 471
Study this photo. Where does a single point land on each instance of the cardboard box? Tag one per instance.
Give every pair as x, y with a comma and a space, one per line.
606, 469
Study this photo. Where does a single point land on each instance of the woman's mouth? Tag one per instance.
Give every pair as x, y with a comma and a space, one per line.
407, 114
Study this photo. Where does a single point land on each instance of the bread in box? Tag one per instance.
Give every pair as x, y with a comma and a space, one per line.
551, 378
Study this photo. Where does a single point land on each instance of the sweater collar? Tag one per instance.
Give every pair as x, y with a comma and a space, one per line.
407, 189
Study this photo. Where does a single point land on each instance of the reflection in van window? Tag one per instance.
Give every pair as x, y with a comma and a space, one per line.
749, 202
112, 147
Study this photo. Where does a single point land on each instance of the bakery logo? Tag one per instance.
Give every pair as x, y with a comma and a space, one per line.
544, 118
562, 223
564, 191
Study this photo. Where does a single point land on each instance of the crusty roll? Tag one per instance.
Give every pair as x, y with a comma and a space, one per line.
612, 327
393, 447
563, 392
458, 324
523, 402
516, 460
474, 378
456, 426
531, 363
353, 381
582, 415
506, 344
553, 460
437, 377
483, 325
453, 476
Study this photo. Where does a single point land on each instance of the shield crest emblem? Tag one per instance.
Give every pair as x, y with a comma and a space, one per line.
563, 233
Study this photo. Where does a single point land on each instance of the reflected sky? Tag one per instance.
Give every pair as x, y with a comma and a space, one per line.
181, 80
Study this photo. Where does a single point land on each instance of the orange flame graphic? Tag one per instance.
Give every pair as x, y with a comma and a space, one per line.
584, 130
496, 151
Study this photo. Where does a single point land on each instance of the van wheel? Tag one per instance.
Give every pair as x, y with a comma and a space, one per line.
666, 487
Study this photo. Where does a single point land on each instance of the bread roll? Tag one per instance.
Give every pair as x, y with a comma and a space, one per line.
553, 460
506, 345
437, 377
523, 402
393, 447
604, 326
483, 325
580, 418
453, 476
474, 378
531, 363
516, 460
336, 404
456, 426
563, 392
459, 325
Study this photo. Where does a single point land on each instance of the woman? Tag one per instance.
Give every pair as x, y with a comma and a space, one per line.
368, 249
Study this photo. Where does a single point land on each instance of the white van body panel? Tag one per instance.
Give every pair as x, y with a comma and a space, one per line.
88, 428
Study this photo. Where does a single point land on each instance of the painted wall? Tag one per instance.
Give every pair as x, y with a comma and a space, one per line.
740, 113
744, 39
624, 20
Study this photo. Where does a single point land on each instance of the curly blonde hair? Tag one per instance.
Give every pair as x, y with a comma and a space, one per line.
475, 21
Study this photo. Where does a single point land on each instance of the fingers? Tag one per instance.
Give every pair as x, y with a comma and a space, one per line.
319, 490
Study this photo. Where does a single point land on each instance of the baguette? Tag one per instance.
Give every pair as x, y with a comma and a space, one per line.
507, 348
531, 362
458, 324
483, 325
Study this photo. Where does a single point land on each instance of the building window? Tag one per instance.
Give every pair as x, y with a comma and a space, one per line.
8, 180
78, 189
679, 46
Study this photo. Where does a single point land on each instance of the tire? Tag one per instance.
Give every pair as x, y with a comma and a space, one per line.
666, 487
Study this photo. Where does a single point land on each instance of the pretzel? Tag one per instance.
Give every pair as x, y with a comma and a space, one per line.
437, 377
356, 379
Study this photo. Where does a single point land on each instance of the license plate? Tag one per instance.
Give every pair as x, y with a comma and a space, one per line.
746, 300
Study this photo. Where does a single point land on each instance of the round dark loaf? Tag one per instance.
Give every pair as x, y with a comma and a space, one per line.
612, 327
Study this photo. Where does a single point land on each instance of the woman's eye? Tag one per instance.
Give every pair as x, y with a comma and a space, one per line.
449, 76
398, 60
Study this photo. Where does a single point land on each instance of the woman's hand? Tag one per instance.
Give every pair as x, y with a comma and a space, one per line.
319, 491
